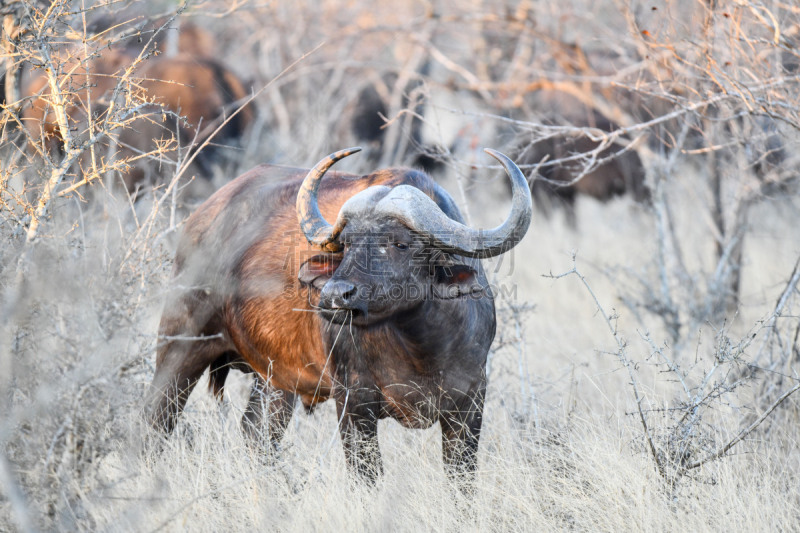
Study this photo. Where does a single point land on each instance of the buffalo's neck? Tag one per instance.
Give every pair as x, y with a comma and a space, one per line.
424, 329
404, 364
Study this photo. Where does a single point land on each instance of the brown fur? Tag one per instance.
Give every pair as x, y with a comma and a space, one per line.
199, 89
132, 29
264, 314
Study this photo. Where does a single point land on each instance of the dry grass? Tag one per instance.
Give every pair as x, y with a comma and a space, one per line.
562, 447
559, 448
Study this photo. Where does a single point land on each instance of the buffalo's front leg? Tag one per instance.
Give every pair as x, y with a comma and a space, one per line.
358, 426
461, 430
279, 406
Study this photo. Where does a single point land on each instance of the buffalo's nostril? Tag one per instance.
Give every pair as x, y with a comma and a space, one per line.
339, 293
349, 294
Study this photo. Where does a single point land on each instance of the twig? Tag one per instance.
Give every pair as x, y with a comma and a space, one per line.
621, 346
744, 433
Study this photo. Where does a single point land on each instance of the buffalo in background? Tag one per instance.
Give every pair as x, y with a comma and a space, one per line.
373, 108
190, 93
557, 159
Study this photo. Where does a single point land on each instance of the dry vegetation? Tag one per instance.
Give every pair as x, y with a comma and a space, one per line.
643, 372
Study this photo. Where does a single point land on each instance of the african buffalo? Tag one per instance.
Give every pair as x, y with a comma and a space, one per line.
132, 29
197, 94
624, 173
373, 108
388, 310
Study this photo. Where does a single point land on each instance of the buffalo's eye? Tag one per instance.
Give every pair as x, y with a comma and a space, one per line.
401, 245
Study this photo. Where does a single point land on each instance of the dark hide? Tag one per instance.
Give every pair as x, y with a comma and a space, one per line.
372, 110
624, 174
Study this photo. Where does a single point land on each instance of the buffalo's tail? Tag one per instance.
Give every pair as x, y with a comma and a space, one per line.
218, 373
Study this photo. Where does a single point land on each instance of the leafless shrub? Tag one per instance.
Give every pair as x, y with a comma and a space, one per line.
682, 437
717, 99
691, 86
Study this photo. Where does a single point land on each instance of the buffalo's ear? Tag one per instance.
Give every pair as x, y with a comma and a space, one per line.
316, 271
454, 280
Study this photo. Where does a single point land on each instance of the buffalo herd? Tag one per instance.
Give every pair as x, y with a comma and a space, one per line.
351, 310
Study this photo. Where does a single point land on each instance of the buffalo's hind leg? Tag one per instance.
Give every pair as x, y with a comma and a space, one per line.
184, 352
270, 406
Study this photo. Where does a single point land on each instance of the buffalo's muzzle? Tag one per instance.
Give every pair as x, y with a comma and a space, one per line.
341, 295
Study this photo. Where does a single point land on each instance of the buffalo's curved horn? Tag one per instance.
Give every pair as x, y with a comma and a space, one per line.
504, 237
421, 214
316, 229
